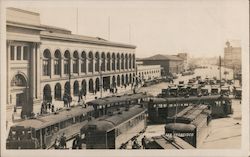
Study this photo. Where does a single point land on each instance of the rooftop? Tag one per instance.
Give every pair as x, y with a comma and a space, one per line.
163, 57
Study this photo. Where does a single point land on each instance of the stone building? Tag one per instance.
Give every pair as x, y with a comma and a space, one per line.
232, 55
148, 72
45, 62
169, 63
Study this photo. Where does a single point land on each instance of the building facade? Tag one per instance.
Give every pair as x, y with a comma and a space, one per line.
148, 72
45, 62
169, 63
232, 56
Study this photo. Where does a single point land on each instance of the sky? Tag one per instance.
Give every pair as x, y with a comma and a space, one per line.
197, 27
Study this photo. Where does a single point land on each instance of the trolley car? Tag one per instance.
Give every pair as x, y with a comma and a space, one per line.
41, 132
161, 108
114, 131
191, 124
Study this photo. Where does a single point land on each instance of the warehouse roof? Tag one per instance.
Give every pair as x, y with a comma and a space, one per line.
163, 57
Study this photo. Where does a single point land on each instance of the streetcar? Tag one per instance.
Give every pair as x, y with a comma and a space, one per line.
161, 108
191, 124
116, 130
41, 132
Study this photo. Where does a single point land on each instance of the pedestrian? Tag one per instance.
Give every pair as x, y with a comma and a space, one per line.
74, 144
78, 142
135, 144
49, 105
116, 90
143, 142
52, 108
69, 100
63, 141
65, 100
57, 142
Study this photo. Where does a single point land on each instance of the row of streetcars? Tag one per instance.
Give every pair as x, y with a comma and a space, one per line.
108, 123
161, 108
41, 132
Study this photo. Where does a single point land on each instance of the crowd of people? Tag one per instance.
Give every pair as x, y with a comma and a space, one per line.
136, 144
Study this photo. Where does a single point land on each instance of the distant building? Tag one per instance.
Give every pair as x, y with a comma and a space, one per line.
185, 58
232, 56
170, 63
148, 72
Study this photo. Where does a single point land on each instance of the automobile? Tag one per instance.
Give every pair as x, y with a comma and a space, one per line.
237, 93
225, 90
204, 91
214, 90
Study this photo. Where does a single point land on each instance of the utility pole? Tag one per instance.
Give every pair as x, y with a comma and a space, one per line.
220, 69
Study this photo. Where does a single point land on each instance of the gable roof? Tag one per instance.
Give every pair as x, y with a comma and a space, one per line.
163, 57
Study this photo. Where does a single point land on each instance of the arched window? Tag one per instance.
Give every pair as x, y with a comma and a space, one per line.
126, 61
84, 62
91, 61
75, 62
97, 61
130, 61
66, 62
123, 80
108, 61
103, 61
57, 63
113, 61
133, 58
118, 61
122, 62
46, 62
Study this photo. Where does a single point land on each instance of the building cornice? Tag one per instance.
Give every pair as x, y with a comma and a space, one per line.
73, 39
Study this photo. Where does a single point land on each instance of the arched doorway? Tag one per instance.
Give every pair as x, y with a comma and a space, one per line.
19, 88
67, 88
84, 87
113, 82
58, 94
91, 86
118, 81
97, 84
47, 93
76, 88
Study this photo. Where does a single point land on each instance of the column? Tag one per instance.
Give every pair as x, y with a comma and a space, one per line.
93, 65
33, 70
87, 65
51, 66
7, 73
79, 66
38, 71
62, 66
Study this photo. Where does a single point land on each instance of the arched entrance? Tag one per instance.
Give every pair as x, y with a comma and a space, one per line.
58, 94
19, 88
76, 88
91, 86
84, 87
67, 88
97, 84
47, 93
